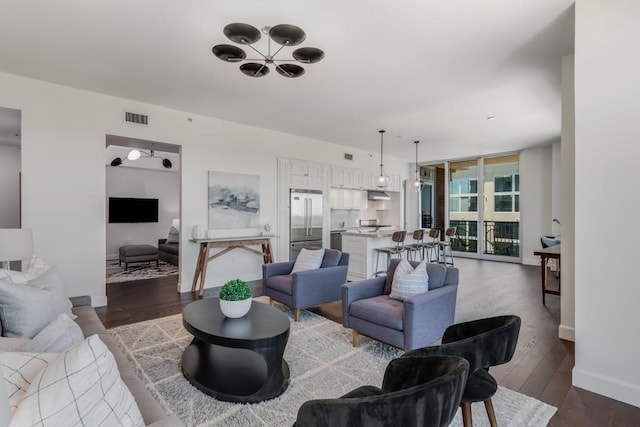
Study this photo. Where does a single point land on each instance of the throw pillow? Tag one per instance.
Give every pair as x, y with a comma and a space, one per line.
33, 268
19, 369
82, 386
308, 259
57, 336
174, 235
26, 309
408, 281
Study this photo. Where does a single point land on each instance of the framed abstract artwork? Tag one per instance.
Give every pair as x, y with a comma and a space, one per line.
234, 201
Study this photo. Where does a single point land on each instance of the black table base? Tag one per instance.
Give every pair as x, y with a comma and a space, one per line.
236, 374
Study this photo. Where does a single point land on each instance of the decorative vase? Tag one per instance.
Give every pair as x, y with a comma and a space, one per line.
197, 232
235, 309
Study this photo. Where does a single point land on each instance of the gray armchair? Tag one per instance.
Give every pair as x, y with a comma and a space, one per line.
306, 288
409, 324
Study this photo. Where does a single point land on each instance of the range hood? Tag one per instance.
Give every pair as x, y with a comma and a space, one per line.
378, 195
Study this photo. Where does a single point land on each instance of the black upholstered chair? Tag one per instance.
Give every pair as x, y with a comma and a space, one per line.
483, 343
416, 391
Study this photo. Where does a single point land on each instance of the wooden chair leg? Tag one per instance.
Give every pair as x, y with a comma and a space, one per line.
488, 404
296, 314
466, 414
355, 340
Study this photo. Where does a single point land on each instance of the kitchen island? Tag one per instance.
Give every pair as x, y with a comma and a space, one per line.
362, 254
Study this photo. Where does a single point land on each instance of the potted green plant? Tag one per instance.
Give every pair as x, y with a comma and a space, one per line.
235, 298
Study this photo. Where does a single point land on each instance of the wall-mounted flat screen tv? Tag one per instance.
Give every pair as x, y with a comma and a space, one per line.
128, 209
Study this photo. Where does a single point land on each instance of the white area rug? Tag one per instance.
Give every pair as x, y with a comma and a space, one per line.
138, 271
323, 364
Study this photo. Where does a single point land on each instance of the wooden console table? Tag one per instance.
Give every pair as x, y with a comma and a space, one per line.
228, 244
552, 252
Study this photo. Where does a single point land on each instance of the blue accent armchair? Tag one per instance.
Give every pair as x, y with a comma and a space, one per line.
409, 324
306, 288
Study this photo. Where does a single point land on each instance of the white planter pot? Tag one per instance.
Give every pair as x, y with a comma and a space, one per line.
235, 309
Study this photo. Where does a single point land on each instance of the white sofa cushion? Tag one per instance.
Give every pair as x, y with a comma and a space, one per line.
19, 369
82, 386
26, 309
57, 336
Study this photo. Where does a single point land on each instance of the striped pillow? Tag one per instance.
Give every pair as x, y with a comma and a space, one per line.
308, 260
408, 281
81, 386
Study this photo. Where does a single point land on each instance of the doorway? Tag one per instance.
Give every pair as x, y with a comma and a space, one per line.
142, 211
10, 168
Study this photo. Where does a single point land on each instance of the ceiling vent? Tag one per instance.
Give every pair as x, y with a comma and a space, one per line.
140, 119
348, 156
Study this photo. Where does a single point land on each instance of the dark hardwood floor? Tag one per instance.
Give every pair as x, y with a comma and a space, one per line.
541, 366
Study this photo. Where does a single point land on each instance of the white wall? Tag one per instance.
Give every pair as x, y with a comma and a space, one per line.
9, 186
63, 143
607, 66
143, 183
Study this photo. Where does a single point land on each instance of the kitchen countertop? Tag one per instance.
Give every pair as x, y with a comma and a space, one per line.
370, 234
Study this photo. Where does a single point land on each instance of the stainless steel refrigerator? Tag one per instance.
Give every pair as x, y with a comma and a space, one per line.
305, 221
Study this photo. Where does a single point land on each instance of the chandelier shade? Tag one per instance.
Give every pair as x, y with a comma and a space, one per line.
229, 53
383, 180
285, 35
417, 184
242, 33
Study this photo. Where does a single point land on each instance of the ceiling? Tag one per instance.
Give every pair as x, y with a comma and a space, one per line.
430, 70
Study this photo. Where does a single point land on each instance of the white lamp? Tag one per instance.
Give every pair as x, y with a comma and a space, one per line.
175, 223
15, 244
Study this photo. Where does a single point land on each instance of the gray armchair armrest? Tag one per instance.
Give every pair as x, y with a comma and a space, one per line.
355, 291
427, 315
322, 284
276, 269
80, 300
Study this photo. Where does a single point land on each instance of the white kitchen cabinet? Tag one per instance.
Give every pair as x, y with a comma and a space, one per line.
368, 180
306, 175
360, 199
395, 183
344, 198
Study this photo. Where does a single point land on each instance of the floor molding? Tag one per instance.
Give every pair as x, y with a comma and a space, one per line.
567, 333
607, 386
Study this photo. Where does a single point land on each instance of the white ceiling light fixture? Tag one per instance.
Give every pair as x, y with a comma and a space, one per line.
383, 180
135, 154
284, 34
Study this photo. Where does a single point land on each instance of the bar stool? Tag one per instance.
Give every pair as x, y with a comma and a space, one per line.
446, 244
432, 244
417, 246
398, 249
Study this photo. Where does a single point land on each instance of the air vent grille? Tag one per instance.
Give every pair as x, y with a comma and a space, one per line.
348, 156
136, 118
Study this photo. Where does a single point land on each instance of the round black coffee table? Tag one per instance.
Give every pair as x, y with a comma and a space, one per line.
236, 360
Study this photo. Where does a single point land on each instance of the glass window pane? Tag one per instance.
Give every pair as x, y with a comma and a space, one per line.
502, 203
454, 204
517, 179
517, 206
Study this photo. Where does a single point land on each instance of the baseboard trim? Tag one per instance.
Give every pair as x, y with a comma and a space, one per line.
100, 301
531, 261
610, 387
567, 333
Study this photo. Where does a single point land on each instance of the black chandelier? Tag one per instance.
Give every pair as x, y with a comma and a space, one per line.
284, 34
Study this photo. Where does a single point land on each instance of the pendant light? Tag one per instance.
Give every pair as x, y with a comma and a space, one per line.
383, 180
417, 184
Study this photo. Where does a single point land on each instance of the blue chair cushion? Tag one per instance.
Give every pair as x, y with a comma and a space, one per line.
380, 310
331, 258
437, 273
282, 284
